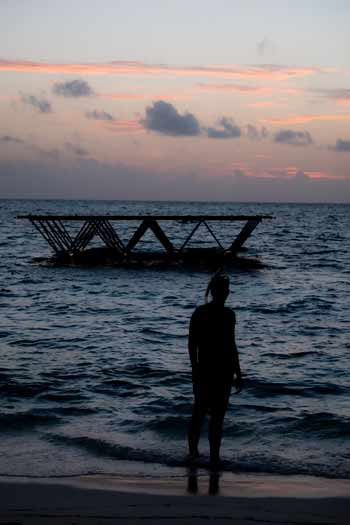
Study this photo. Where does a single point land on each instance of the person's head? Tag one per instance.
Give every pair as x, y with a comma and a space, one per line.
219, 287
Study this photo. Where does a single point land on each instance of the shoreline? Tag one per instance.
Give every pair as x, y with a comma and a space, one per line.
197, 481
224, 498
242, 499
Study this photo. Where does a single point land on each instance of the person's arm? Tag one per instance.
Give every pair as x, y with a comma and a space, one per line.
236, 366
193, 346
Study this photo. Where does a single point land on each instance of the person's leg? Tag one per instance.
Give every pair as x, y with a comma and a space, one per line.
215, 434
194, 431
218, 410
199, 411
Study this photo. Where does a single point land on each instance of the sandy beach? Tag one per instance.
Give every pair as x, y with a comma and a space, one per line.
239, 499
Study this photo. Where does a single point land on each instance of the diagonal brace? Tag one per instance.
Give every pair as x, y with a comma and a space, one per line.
49, 238
84, 235
190, 235
213, 234
243, 235
161, 236
158, 232
108, 234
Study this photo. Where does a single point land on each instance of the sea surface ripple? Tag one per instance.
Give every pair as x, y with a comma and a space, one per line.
94, 371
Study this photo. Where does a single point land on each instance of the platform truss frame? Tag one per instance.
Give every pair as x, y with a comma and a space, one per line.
53, 229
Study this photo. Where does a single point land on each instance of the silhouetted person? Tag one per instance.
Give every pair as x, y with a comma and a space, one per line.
215, 365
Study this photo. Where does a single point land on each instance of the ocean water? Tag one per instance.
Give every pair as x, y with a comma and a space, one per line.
94, 371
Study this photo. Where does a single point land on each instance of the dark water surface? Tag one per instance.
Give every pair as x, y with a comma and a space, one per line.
94, 373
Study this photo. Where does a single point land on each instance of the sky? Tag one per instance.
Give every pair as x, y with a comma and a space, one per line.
175, 100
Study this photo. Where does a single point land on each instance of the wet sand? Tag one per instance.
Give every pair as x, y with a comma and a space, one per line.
238, 499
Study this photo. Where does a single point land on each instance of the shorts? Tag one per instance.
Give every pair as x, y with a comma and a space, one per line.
212, 395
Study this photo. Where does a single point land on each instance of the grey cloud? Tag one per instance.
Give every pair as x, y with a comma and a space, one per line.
164, 118
53, 154
334, 93
73, 89
295, 138
99, 115
264, 132
14, 140
228, 130
255, 133
75, 149
342, 145
42, 153
41, 104
252, 132
264, 45
340, 94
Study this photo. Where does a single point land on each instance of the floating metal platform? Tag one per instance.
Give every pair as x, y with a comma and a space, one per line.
74, 249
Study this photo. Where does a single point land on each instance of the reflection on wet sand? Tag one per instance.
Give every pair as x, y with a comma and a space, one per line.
192, 481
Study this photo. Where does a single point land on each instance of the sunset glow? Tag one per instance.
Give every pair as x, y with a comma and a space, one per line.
230, 108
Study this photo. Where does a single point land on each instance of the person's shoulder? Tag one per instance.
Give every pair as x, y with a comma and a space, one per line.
196, 317
201, 309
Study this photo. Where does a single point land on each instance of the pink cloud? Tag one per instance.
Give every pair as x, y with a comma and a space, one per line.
124, 67
343, 101
8, 97
317, 174
262, 104
243, 169
239, 165
125, 127
302, 119
259, 90
292, 170
123, 96
141, 96
120, 127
